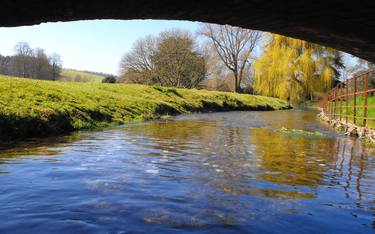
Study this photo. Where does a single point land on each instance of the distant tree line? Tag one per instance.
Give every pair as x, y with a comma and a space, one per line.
31, 63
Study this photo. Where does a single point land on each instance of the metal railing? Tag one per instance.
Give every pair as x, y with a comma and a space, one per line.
349, 101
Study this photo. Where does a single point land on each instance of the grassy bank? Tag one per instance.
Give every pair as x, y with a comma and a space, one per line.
360, 102
30, 108
79, 76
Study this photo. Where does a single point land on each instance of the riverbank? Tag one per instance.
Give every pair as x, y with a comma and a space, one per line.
35, 108
349, 128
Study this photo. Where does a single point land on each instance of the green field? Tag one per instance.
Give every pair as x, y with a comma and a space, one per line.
30, 108
79, 76
359, 111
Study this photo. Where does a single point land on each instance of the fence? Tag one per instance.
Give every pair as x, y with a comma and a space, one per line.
352, 101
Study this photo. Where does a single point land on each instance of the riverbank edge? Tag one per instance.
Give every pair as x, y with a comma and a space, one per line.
34, 109
348, 128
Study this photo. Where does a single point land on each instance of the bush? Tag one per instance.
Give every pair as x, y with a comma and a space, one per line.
109, 79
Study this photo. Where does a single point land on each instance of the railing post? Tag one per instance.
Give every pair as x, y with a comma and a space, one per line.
365, 102
355, 100
329, 106
340, 101
335, 105
347, 101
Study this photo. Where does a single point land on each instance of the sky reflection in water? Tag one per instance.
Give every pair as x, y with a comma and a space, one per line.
222, 172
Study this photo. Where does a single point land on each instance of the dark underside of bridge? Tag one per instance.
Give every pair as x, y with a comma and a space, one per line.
345, 25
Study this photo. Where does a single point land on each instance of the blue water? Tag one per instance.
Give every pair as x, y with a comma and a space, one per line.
207, 173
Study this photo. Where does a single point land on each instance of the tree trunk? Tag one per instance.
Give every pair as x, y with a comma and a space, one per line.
235, 82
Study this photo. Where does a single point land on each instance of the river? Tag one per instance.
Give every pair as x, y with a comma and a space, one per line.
227, 172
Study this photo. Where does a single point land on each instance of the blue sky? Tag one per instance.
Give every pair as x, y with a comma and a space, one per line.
95, 45
87, 45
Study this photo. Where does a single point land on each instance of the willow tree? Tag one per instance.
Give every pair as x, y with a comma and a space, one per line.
295, 70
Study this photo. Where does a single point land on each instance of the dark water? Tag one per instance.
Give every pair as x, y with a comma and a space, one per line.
208, 173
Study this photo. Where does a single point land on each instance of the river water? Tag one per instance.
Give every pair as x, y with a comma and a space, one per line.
205, 173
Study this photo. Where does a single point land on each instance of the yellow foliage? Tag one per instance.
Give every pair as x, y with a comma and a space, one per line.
293, 69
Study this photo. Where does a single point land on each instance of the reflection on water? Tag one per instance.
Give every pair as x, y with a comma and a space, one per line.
223, 172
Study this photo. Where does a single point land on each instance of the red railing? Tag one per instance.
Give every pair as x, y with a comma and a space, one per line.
348, 101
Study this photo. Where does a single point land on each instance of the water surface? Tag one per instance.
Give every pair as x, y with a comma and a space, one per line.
206, 173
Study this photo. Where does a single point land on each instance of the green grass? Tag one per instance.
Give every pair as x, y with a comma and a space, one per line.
30, 108
359, 111
79, 76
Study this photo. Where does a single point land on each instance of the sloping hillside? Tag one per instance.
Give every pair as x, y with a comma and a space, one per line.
80, 76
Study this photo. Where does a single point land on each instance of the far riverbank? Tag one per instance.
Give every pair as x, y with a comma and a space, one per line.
35, 108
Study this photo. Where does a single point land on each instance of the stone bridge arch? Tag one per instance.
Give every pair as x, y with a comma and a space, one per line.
347, 26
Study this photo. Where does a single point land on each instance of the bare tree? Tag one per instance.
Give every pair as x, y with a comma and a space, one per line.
136, 66
56, 65
22, 61
169, 59
5, 67
176, 61
234, 46
41, 66
216, 69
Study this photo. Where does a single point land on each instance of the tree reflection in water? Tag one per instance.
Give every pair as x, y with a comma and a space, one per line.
235, 160
210, 171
